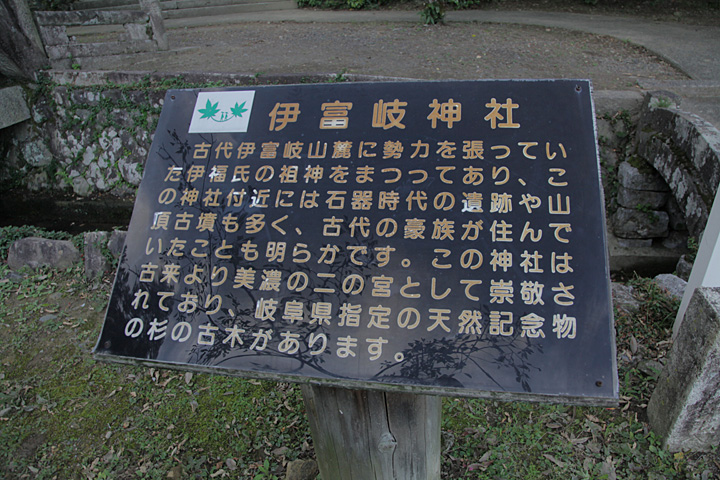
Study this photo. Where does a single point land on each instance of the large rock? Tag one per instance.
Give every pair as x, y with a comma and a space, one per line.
130, 171
13, 108
302, 470
643, 178
623, 298
35, 252
685, 407
632, 223
629, 198
117, 242
81, 186
36, 153
684, 268
672, 285
676, 240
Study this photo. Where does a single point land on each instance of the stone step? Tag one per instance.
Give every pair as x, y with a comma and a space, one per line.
106, 5
194, 7
230, 9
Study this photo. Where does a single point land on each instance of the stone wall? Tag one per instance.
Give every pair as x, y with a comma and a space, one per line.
83, 140
90, 132
645, 209
641, 209
685, 151
100, 252
667, 181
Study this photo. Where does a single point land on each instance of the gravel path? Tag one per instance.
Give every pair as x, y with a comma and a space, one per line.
455, 51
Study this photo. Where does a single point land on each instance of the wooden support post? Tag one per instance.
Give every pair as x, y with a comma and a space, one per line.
371, 435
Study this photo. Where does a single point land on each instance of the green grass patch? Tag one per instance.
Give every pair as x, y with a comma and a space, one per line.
64, 415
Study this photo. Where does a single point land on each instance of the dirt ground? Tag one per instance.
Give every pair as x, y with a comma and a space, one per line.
689, 12
455, 51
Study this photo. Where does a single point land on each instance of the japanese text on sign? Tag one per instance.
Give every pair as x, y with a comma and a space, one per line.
384, 238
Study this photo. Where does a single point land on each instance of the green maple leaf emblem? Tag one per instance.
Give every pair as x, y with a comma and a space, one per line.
210, 110
238, 110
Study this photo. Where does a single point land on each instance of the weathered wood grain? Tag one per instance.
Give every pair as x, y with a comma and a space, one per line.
371, 435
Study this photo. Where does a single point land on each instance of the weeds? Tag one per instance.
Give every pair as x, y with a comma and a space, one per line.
487, 439
693, 247
433, 12
648, 211
339, 77
661, 102
264, 472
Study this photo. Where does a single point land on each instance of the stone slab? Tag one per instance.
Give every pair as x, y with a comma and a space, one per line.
93, 17
629, 198
645, 261
116, 242
13, 108
635, 242
685, 406
673, 285
632, 177
95, 261
683, 148
623, 298
35, 252
54, 35
632, 223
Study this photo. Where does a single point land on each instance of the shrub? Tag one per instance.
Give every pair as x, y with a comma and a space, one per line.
433, 12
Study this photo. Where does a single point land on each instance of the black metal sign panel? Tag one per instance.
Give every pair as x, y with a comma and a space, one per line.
444, 236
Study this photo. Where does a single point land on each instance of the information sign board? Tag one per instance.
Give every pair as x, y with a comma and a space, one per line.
439, 237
